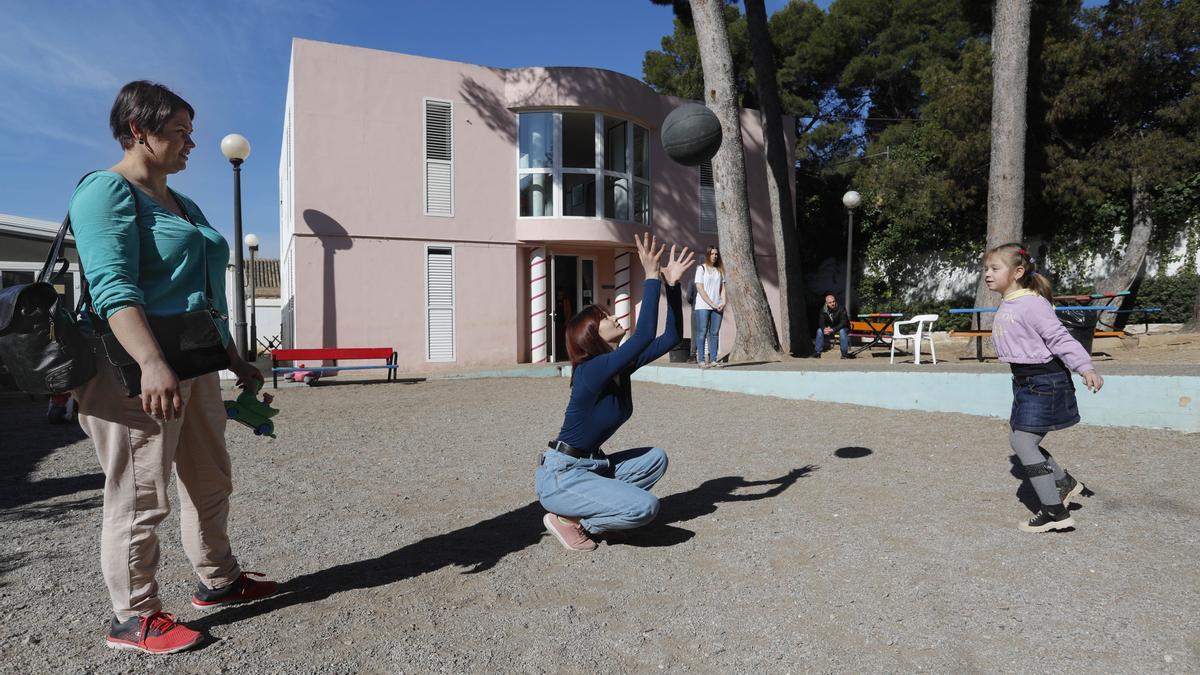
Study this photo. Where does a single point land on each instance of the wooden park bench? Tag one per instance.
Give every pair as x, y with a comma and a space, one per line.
334, 354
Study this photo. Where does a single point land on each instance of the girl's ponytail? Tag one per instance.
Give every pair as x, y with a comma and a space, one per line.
1041, 285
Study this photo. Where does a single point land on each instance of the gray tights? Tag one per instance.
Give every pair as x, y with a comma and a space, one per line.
1033, 458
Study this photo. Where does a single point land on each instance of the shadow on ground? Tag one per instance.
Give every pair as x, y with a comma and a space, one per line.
702, 501
1026, 494
26, 439
481, 546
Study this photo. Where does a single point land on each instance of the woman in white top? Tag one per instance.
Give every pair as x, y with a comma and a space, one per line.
710, 305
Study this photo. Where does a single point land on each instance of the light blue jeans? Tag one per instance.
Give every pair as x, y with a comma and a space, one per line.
604, 494
707, 325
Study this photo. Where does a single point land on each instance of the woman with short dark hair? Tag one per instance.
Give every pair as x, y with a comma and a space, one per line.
147, 250
587, 492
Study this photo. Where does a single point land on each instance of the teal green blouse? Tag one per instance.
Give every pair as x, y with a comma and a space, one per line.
156, 260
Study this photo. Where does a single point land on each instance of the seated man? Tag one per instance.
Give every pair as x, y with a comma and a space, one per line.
832, 320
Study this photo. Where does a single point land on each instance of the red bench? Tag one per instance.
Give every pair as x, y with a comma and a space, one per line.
333, 354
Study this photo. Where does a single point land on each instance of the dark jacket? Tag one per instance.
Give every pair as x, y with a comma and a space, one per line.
836, 319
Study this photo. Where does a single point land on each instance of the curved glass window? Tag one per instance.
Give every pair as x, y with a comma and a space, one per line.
582, 164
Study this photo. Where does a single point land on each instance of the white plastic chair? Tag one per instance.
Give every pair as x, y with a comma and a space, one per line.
924, 330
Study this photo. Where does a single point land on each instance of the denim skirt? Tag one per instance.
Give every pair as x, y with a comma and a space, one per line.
1043, 403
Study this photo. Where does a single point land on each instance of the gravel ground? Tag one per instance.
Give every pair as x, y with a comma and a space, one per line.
794, 537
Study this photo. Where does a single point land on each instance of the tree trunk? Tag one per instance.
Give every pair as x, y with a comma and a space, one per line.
1006, 178
793, 315
756, 337
1134, 260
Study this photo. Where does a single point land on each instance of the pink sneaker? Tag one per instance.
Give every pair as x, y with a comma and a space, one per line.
571, 535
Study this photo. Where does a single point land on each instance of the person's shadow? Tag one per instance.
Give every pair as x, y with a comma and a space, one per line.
479, 547
27, 440
1028, 496
703, 500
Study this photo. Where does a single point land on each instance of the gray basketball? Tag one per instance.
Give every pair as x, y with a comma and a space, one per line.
691, 134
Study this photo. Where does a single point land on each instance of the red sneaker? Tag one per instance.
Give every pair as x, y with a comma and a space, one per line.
244, 589
155, 634
571, 535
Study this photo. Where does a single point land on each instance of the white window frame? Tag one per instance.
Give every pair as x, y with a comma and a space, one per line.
554, 171
425, 156
597, 172
453, 301
642, 181
579, 279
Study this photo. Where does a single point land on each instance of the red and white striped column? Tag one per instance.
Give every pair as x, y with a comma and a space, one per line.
622, 308
538, 333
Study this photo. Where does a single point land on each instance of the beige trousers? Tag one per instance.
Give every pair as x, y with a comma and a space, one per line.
137, 453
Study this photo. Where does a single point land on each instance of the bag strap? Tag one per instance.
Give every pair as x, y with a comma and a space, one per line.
55, 251
55, 256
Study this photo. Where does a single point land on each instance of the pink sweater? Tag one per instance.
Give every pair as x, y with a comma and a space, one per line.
1026, 330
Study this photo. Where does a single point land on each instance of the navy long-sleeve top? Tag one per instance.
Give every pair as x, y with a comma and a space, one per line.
601, 395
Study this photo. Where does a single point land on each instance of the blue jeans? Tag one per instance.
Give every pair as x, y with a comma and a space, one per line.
843, 333
604, 494
706, 327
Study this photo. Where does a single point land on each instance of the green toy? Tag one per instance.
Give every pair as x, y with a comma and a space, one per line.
250, 411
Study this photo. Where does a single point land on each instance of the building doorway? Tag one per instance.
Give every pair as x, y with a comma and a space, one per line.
573, 287
564, 269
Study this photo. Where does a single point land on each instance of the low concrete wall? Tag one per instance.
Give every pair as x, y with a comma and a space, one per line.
1158, 402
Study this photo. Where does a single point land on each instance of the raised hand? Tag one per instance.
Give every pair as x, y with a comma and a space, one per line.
649, 256
678, 264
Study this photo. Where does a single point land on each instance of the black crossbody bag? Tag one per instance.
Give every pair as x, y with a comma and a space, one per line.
190, 342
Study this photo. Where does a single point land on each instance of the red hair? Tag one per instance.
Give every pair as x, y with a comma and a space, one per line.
583, 336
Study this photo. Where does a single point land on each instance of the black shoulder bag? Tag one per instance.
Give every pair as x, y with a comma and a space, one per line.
190, 342
40, 341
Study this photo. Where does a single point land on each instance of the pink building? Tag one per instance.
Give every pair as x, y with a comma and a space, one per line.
459, 213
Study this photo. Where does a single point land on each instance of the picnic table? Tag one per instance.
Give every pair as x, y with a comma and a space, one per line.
1145, 312
1070, 299
877, 329
978, 334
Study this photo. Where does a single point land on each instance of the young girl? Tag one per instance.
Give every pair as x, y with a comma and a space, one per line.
1029, 336
710, 306
587, 492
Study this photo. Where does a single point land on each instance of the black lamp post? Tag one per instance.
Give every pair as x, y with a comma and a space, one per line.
236, 149
850, 200
252, 348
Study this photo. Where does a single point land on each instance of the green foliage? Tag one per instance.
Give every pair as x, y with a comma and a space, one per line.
676, 70
1175, 294
1121, 98
877, 295
893, 98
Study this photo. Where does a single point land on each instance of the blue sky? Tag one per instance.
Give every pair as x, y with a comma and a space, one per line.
62, 62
